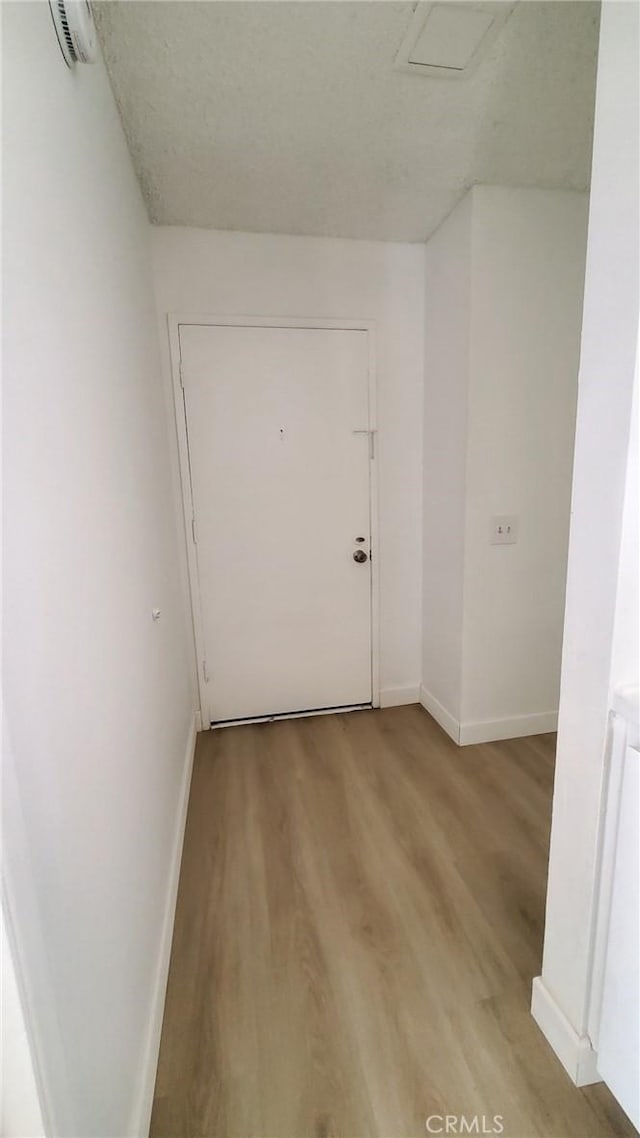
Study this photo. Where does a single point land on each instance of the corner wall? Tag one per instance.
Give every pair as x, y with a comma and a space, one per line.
447, 360
528, 261
501, 358
98, 712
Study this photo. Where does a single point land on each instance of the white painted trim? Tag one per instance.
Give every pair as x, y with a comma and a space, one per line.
625, 702
174, 321
440, 714
399, 696
574, 1051
605, 866
24, 1114
373, 515
187, 514
141, 1116
253, 321
490, 730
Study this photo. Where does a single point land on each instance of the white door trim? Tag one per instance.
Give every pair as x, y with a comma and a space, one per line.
174, 321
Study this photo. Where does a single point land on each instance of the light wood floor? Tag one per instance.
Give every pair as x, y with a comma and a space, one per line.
359, 918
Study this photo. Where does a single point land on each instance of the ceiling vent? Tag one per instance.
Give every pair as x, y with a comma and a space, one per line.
447, 40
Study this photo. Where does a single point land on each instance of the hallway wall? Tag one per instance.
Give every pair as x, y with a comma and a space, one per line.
216, 273
98, 709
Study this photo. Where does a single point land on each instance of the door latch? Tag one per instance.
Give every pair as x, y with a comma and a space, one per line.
372, 434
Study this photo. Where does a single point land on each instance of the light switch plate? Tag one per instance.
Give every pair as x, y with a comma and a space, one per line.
503, 529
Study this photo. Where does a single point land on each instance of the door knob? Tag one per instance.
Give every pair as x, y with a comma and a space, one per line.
360, 556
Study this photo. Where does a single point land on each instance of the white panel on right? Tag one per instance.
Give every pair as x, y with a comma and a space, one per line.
619, 1035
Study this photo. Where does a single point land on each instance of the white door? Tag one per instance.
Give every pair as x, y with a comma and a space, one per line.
279, 459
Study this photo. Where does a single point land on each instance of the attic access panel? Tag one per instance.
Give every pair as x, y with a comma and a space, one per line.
448, 39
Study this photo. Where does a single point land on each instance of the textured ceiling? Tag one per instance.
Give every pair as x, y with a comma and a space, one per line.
289, 117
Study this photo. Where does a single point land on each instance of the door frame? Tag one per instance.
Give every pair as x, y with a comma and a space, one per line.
174, 323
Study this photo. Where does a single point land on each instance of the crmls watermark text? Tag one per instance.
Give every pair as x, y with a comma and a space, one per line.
464, 1124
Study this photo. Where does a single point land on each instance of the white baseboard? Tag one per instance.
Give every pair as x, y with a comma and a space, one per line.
440, 714
142, 1113
574, 1051
399, 696
489, 731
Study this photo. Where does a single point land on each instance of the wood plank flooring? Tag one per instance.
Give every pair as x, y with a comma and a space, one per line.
360, 915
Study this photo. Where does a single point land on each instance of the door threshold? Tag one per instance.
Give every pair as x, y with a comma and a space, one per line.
218, 723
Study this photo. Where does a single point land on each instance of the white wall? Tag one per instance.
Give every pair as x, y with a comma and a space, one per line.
210, 272
97, 701
594, 660
527, 289
503, 301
